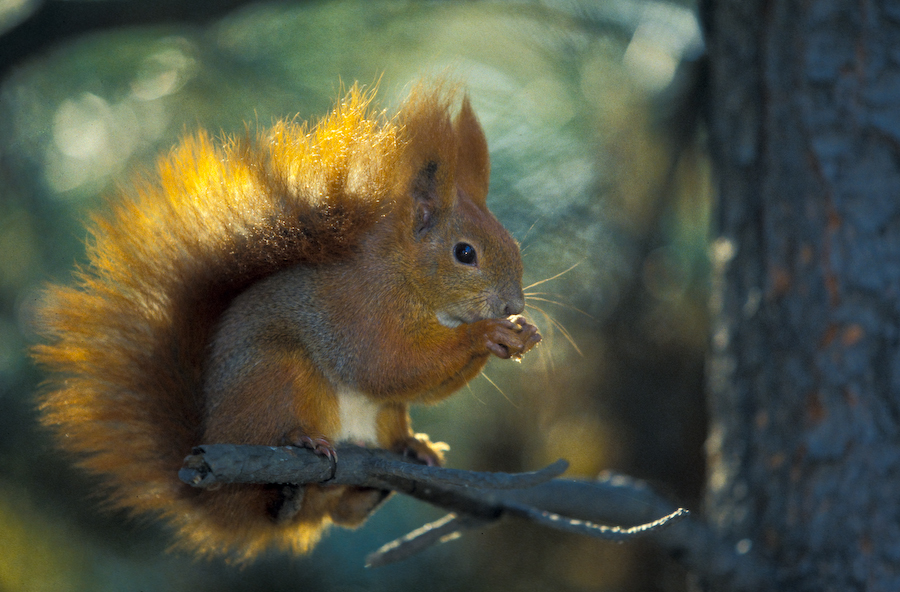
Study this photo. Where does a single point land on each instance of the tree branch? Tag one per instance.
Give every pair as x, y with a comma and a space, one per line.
476, 499
613, 507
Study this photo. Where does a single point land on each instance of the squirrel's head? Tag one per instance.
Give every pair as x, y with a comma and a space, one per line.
461, 261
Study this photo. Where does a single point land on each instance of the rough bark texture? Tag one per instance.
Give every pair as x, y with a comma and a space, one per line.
804, 453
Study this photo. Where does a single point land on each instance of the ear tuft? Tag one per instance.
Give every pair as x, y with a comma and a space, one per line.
473, 165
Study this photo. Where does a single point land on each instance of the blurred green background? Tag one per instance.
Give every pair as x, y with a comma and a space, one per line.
589, 109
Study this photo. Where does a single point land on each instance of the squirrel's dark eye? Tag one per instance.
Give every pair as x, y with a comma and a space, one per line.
464, 253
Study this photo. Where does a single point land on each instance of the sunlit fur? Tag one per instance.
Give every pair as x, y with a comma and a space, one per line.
126, 345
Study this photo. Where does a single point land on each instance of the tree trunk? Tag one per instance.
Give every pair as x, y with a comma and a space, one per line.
804, 450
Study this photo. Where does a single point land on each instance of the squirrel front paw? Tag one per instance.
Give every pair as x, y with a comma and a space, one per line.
510, 337
422, 449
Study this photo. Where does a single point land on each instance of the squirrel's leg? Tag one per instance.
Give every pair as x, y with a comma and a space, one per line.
350, 506
300, 409
282, 399
395, 433
314, 408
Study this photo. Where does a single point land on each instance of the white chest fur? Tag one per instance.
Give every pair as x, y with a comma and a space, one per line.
358, 414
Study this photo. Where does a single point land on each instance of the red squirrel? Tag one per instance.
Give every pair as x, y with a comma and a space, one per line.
303, 288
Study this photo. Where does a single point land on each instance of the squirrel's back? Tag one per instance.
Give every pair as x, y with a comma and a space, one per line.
126, 345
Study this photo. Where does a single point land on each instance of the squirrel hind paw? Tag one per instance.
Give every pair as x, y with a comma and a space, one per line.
287, 503
423, 450
318, 444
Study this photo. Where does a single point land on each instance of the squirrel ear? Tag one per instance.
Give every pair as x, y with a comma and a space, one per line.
425, 194
473, 168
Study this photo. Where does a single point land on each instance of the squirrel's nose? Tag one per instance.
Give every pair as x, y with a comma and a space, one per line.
515, 305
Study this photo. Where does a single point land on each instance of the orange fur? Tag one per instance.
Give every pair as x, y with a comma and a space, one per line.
260, 291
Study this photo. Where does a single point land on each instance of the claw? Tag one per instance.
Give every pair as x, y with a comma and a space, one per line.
320, 446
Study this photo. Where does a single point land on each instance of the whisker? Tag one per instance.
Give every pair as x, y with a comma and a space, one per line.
472, 392
494, 384
527, 232
539, 282
530, 228
531, 296
559, 326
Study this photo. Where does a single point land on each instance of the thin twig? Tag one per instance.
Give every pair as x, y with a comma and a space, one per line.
440, 531
586, 527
